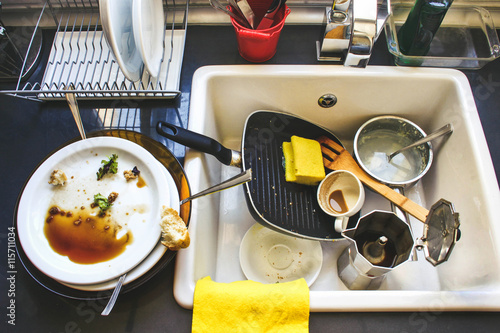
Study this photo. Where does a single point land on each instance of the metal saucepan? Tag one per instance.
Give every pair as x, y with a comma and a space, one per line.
282, 206
379, 137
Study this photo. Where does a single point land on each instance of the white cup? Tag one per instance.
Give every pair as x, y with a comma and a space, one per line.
352, 191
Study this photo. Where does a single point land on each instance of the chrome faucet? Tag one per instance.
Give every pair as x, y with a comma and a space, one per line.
351, 29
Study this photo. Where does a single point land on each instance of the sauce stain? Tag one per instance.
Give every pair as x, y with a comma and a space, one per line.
83, 236
141, 182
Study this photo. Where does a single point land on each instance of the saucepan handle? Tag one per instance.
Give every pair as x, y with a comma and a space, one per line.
196, 141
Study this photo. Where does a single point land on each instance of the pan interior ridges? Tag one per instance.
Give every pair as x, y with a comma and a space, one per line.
288, 207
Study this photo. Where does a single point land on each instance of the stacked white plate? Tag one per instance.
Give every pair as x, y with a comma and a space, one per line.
80, 162
135, 31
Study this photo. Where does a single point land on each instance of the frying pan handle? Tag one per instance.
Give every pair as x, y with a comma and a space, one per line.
196, 141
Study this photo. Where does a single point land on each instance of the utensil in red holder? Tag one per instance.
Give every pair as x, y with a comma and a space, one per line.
268, 19
260, 45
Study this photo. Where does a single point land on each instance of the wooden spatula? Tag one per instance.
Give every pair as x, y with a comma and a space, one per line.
335, 157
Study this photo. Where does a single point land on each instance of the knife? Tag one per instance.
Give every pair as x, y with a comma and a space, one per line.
268, 19
247, 12
239, 13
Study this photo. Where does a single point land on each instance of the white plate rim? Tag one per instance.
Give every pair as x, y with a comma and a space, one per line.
114, 16
246, 249
150, 165
150, 46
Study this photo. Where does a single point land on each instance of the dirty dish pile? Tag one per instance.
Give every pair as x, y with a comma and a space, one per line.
134, 216
340, 194
289, 205
287, 202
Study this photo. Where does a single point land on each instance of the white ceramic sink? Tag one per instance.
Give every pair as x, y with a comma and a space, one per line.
462, 172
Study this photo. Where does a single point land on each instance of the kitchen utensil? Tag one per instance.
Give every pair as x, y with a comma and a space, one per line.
247, 12
148, 25
268, 19
73, 106
382, 135
159, 257
217, 5
441, 221
378, 243
116, 20
114, 296
341, 194
446, 129
260, 45
337, 158
268, 256
285, 207
243, 177
235, 9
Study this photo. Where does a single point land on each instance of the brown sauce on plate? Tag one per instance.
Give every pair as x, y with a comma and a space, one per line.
141, 182
83, 236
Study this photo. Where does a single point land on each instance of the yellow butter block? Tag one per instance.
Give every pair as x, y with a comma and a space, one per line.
308, 161
289, 165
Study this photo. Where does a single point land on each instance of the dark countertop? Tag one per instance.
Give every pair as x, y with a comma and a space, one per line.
31, 130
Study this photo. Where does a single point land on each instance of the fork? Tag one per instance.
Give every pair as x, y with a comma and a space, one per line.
335, 157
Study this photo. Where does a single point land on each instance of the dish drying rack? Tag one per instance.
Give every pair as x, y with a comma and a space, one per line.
80, 56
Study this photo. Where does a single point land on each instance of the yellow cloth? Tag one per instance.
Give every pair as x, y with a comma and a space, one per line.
248, 306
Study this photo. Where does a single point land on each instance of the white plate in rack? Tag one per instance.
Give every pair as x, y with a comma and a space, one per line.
116, 20
149, 30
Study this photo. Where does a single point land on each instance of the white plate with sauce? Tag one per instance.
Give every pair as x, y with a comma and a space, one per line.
135, 215
267, 256
116, 20
149, 30
147, 263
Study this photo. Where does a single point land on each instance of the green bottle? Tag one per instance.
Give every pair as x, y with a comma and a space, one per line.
416, 34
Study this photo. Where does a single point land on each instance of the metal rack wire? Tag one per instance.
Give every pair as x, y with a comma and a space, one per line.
81, 57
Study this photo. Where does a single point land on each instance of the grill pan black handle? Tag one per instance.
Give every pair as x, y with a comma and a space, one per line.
197, 141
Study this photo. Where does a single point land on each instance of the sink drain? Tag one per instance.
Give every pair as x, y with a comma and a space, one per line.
327, 100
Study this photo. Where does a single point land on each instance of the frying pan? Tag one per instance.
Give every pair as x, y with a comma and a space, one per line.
282, 206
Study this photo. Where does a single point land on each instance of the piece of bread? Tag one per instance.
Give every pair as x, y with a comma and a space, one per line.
58, 177
174, 232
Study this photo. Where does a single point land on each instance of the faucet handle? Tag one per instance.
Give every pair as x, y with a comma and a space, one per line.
352, 27
368, 19
364, 31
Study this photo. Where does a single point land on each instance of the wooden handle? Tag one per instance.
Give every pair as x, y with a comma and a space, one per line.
398, 199
340, 159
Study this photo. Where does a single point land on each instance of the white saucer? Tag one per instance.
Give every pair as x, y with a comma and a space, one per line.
137, 208
267, 256
116, 20
149, 30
